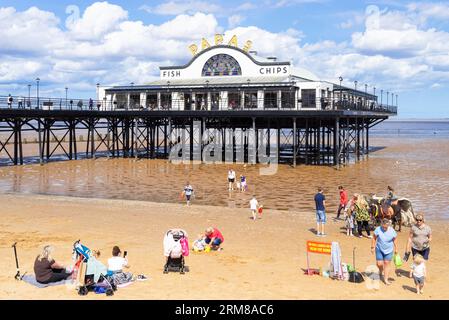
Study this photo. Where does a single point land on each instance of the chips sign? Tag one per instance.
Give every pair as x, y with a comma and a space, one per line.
218, 41
319, 247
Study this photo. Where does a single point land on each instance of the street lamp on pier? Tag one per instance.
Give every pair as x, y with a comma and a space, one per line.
37, 91
66, 89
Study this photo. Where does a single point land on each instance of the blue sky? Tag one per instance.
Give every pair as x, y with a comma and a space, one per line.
398, 46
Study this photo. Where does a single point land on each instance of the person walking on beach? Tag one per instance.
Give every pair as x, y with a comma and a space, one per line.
384, 244
243, 185
320, 205
362, 216
254, 206
418, 273
343, 200
187, 192
47, 270
419, 238
231, 179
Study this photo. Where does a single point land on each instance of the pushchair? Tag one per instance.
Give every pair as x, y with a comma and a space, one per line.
176, 247
90, 274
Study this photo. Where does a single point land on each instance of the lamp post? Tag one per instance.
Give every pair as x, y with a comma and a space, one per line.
388, 95
366, 94
381, 96
396, 101
98, 95
29, 95
37, 91
66, 89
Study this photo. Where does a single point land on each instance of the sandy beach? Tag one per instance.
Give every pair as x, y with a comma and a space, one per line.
261, 259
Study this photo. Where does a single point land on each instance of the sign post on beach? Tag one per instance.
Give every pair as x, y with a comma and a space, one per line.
317, 247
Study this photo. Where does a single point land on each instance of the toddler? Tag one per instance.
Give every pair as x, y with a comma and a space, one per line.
418, 272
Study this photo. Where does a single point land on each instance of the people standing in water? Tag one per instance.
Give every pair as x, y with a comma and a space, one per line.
47, 270
343, 200
254, 206
243, 185
188, 192
320, 205
231, 179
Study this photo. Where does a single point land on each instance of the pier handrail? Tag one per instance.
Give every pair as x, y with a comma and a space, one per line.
289, 104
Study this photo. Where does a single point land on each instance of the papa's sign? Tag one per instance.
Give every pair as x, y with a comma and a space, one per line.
219, 40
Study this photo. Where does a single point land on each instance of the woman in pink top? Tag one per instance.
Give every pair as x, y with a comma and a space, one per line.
213, 238
343, 200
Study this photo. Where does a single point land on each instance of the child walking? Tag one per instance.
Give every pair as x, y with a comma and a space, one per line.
349, 221
418, 272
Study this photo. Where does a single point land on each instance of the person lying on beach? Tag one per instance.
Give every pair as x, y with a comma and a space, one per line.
48, 270
213, 238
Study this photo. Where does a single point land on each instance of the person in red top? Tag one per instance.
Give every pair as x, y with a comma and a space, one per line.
213, 238
343, 200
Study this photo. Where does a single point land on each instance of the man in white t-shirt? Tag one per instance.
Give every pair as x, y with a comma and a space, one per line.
231, 179
254, 205
116, 263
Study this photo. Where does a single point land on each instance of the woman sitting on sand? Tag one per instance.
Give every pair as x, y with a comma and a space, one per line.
47, 270
116, 264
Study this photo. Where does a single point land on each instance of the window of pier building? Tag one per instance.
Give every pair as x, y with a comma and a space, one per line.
214, 100
288, 99
151, 102
122, 100
308, 98
250, 101
165, 101
234, 99
221, 65
270, 100
200, 101
134, 101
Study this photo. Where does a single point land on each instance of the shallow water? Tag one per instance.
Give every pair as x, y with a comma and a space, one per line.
416, 168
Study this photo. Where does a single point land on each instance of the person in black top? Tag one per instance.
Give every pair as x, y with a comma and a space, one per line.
47, 270
320, 205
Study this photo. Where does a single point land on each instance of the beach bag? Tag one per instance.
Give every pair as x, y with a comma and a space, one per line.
260, 210
184, 246
355, 277
397, 260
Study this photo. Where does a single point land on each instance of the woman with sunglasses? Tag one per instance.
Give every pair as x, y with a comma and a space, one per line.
419, 238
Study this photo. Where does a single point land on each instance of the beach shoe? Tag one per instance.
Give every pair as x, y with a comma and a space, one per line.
370, 236
323, 235
141, 277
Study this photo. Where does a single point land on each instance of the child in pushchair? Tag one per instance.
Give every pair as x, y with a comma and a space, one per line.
176, 247
89, 273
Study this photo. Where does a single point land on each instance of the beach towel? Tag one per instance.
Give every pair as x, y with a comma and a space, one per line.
31, 279
336, 267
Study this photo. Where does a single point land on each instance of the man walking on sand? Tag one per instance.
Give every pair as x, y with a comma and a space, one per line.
254, 205
320, 204
231, 179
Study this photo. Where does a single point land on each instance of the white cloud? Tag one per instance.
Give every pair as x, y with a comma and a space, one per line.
235, 20
97, 20
182, 7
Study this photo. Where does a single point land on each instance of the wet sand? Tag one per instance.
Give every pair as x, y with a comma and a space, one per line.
416, 168
261, 259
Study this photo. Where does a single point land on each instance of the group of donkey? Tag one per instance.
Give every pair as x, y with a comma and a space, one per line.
403, 211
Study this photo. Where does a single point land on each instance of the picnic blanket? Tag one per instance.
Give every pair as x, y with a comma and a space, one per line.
31, 279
